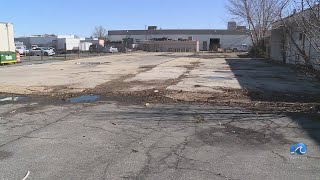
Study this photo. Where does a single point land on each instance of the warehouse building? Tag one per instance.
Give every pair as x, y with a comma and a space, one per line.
41, 40
59, 42
208, 39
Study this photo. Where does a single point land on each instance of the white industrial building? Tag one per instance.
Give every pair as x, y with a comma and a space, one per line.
36, 40
209, 39
293, 42
60, 42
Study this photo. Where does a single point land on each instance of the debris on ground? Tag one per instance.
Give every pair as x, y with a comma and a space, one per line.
26, 176
156, 91
147, 104
134, 151
199, 119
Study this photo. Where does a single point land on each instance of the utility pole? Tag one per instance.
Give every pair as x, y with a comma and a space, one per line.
145, 27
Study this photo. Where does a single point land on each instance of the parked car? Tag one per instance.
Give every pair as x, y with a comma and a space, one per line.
52, 48
22, 50
34, 46
110, 49
240, 48
97, 48
128, 50
42, 51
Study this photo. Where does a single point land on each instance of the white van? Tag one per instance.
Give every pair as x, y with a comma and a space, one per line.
21, 49
240, 48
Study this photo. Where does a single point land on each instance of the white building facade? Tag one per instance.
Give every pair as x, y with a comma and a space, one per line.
36, 40
294, 43
208, 39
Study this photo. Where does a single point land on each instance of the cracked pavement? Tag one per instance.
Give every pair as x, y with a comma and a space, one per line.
125, 135
106, 140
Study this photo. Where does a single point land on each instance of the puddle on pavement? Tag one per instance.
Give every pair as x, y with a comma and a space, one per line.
84, 99
217, 78
91, 63
12, 99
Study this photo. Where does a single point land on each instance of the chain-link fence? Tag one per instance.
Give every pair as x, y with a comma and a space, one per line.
61, 56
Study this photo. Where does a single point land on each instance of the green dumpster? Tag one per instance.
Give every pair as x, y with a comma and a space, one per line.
8, 57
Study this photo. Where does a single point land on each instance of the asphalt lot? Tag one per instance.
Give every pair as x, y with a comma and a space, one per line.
158, 116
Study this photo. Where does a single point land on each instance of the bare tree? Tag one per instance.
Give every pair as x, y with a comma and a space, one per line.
301, 30
298, 20
257, 14
100, 32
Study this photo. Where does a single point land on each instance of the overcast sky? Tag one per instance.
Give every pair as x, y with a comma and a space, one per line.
80, 16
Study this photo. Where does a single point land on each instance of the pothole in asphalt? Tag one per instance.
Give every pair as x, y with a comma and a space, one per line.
237, 136
84, 99
218, 78
12, 98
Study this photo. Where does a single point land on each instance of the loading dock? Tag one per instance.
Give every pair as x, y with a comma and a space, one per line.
214, 44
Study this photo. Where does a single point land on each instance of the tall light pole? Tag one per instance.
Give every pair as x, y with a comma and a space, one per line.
145, 27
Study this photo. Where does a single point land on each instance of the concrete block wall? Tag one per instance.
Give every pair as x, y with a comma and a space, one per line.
171, 46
